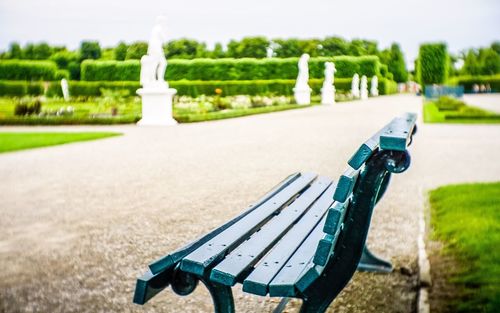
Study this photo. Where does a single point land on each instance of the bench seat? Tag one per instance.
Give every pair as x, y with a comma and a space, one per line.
303, 239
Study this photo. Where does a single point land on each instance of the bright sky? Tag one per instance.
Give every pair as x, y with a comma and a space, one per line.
462, 24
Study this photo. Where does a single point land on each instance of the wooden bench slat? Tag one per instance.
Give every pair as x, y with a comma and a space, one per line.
333, 226
366, 149
174, 257
148, 286
215, 249
257, 282
283, 285
397, 136
345, 185
229, 270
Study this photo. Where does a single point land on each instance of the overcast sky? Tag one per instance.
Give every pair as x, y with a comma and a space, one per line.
462, 24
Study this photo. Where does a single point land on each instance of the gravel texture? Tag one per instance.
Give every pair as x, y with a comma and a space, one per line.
490, 102
80, 222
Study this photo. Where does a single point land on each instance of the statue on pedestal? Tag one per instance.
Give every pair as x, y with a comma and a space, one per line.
155, 95
374, 86
328, 89
364, 88
154, 64
302, 91
355, 86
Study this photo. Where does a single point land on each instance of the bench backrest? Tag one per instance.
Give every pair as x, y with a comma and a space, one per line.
358, 190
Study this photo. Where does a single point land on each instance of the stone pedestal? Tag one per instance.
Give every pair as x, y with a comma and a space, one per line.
302, 95
157, 106
328, 95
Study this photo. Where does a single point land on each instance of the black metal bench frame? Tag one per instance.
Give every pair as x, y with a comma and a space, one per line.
341, 251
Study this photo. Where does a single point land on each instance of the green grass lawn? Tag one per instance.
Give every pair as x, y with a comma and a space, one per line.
20, 141
467, 219
449, 110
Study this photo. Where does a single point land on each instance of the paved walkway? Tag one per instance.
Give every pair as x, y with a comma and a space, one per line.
490, 102
79, 222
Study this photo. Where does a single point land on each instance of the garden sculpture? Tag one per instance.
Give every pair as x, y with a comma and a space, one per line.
328, 89
355, 86
302, 91
374, 86
154, 63
364, 88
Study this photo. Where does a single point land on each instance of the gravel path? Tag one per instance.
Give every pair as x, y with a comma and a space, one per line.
79, 222
490, 102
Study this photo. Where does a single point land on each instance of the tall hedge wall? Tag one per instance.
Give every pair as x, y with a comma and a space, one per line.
433, 64
184, 87
27, 70
231, 69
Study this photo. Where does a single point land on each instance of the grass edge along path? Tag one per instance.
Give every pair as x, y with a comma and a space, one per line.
466, 218
463, 114
14, 141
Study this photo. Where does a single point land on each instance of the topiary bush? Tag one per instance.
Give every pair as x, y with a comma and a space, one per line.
433, 64
27, 70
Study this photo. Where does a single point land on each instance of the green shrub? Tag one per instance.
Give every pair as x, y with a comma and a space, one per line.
35, 88
13, 88
60, 74
469, 81
28, 107
27, 70
64, 58
433, 64
231, 69
387, 86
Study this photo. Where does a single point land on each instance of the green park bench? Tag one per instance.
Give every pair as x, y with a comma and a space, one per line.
304, 239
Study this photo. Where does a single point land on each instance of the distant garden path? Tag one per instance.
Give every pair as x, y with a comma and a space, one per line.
490, 102
79, 222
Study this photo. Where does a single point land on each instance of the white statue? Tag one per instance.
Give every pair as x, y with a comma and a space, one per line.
155, 95
364, 88
355, 86
154, 64
328, 89
303, 77
65, 89
374, 86
302, 91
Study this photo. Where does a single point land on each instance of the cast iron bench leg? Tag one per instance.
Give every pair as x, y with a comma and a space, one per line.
371, 263
222, 296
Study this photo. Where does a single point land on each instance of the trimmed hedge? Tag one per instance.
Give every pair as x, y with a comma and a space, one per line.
433, 64
469, 81
20, 88
231, 69
185, 87
27, 70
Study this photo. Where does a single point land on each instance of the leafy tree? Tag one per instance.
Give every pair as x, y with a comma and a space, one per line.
251, 47
496, 46
286, 48
359, 47
218, 51
90, 50
15, 51
471, 63
136, 50
489, 61
121, 51
395, 61
334, 46
185, 49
